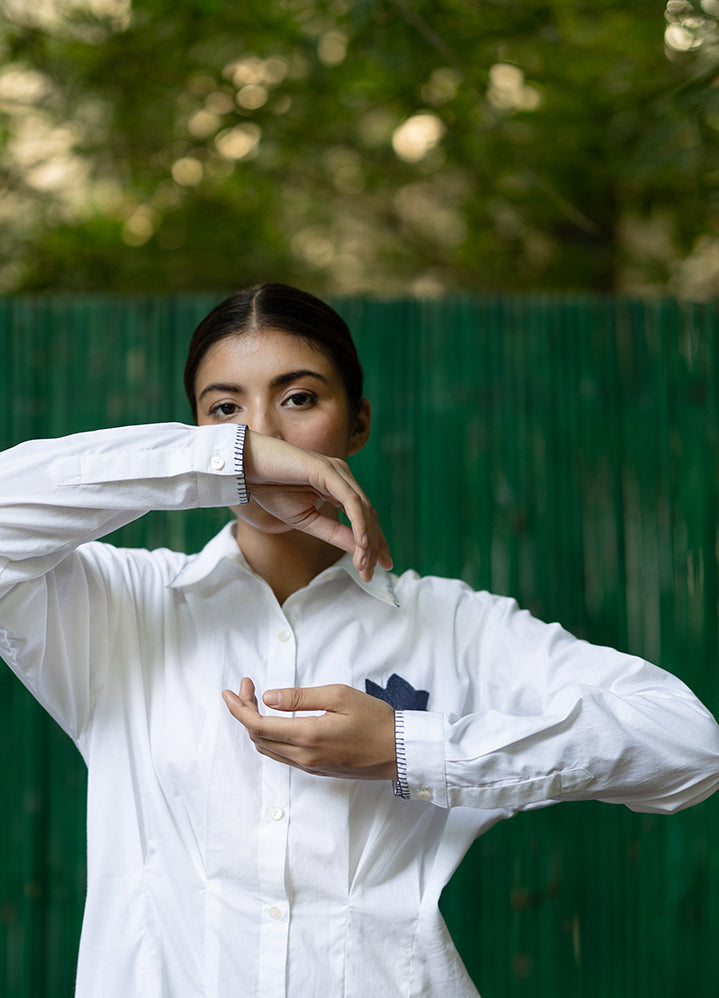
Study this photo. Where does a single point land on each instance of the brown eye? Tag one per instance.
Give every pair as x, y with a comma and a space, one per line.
223, 409
300, 400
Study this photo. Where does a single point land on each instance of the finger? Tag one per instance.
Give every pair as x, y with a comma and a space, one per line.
242, 706
281, 730
385, 557
364, 541
328, 529
328, 698
272, 461
247, 690
268, 750
286, 735
366, 533
341, 484
235, 706
300, 508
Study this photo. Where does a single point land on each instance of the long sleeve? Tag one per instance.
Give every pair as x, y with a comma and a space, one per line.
554, 718
58, 494
62, 599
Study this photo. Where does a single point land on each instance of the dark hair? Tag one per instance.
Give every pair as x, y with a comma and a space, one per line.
278, 306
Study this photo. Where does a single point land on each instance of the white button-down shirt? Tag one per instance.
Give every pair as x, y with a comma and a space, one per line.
214, 871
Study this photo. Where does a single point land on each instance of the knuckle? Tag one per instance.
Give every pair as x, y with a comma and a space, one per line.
332, 695
294, 699
311, 740
309, 759
340, 692
340, 466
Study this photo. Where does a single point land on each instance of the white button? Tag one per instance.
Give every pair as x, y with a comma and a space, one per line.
275, 912
425, 794
284, 635
217, 462
275, 813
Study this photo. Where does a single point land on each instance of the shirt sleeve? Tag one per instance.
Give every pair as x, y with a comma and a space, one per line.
556, 718
58, 494
60, 598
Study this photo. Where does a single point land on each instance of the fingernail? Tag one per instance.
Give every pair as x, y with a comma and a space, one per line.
272, 698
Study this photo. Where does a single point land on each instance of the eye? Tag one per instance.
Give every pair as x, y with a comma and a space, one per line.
224, 409
300, 400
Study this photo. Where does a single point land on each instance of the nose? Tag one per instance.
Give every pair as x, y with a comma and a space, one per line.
261, 419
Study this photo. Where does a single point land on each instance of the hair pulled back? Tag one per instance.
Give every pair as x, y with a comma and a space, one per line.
281, 307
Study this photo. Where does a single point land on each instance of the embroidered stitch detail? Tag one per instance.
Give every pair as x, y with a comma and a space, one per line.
242, 493
398, 694
400, 787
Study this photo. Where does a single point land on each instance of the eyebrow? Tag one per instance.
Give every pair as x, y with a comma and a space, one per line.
278, 382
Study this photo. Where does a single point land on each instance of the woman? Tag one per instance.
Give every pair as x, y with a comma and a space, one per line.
283, 863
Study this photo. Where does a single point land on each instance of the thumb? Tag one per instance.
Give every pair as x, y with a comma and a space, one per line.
302, 698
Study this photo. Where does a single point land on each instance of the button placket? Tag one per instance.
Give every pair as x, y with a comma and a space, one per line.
272, 848
281, 658
271, 858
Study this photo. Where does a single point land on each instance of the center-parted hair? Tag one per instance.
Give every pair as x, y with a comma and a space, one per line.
289, 310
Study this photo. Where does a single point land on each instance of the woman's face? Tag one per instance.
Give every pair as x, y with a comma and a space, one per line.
279, 385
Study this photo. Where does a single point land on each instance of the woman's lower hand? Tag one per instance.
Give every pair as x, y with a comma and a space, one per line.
352, 739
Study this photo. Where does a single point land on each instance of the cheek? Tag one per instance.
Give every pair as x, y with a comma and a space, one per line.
329, 437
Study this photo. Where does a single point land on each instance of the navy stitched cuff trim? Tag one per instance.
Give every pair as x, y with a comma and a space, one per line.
242, 494
401, 789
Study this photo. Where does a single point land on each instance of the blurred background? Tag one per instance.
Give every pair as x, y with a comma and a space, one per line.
515, 205
360, 146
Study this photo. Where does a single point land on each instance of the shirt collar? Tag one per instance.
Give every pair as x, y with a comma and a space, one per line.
381, 585
223, 546
199, 566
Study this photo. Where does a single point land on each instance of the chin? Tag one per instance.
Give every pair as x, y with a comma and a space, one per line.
258, 518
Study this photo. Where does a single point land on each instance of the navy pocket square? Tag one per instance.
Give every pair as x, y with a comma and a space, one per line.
399, 693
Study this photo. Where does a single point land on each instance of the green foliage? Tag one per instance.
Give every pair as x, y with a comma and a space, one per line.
175, 146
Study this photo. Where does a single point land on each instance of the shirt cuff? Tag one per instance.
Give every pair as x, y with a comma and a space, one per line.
419, 741
220, 454
243, 495
399, 785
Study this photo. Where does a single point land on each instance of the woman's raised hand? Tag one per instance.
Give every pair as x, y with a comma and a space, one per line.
292, 484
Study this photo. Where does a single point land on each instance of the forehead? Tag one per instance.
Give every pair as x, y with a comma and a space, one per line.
263, 353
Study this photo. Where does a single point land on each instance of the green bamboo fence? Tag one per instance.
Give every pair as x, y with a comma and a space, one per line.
560, 450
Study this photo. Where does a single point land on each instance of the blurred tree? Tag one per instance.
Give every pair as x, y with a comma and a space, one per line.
383, 146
